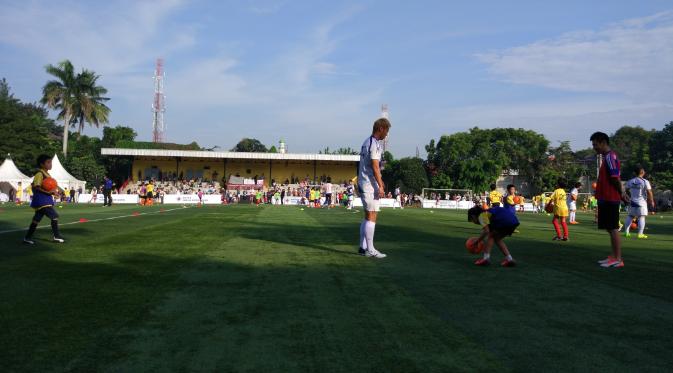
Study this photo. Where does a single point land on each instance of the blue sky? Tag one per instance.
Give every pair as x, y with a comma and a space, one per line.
315, 73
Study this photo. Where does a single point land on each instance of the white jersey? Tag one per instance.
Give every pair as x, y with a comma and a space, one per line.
572, 203
328, 188
638, 188
371, 150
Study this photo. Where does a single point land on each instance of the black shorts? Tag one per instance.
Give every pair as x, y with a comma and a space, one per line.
148, 195
608, 215
496, 204
46, 211
502, 231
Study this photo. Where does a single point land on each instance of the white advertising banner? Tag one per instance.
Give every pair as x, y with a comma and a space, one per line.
446, 204
384, 202
116, 198
208, 199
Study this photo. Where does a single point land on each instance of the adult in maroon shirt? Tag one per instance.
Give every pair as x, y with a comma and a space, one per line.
609, 193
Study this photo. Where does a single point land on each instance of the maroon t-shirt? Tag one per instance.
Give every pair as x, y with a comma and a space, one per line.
605, 191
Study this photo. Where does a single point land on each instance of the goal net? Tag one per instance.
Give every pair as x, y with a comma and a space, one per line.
447, 198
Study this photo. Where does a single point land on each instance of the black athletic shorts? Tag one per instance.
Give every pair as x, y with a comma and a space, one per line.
148, 195
608, 215
48, 211
503, 231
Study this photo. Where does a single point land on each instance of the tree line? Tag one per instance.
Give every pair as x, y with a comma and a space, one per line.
473, 159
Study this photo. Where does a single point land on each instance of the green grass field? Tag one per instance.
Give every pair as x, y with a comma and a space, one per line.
239, 288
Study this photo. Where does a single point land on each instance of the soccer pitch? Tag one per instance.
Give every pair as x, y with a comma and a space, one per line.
240, 288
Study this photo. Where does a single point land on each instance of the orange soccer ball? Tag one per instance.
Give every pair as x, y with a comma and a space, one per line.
49, 184
634, 225
594, 185
549, 208
474, 245
517, 200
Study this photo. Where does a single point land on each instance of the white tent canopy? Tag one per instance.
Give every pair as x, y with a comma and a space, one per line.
63, 177
10, 177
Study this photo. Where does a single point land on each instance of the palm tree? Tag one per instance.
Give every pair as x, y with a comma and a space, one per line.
61, 95
90, 107
77, 97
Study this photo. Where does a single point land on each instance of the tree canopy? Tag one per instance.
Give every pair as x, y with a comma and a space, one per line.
250, 146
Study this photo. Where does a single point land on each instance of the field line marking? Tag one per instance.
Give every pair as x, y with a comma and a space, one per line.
94, 220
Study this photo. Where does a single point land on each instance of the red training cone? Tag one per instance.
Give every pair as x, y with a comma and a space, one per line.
82, 220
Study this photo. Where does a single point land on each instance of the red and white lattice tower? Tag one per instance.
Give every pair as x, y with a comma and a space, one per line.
159, 105
384, 114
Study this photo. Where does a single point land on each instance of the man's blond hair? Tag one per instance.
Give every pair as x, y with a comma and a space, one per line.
381, 124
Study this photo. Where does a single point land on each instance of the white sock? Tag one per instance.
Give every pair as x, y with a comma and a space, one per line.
629, 219
641, 224
370, 226
363, 240
572, 216
509, 257
487, 256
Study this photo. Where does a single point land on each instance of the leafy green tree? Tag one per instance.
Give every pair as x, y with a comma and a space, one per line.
117, 168
632, 144
661, 154
25, 130
475, 159
61, 94
249, 145
273, 149
411, 176
89, 107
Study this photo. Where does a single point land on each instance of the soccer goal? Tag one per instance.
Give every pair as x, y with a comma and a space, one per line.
447, 198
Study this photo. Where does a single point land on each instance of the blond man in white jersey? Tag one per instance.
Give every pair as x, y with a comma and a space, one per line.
641, 196
370, 185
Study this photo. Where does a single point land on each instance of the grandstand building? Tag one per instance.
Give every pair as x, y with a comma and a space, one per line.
224, 167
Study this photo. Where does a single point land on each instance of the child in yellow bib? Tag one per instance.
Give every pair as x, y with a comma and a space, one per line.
558, 198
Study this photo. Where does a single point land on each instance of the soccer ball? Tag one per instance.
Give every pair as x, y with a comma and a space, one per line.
549, 208
49, 184
634, 225
474, 245
517, 200
594, 185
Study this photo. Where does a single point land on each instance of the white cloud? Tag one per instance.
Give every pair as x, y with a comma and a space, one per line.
633, 58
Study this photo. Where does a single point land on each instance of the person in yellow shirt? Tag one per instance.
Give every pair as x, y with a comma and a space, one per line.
522, 201
495, 197
149, 194
43, 201
558, 199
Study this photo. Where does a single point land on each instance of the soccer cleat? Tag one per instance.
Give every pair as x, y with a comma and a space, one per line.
58, 239
642, 236
609, 258
482, 262
508, 263
557, 238
362, 251
613, 263
627, 234
375, 254
564, 239
28, 241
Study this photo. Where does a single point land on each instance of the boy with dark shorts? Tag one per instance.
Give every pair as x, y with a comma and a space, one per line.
497, 223
43, 202
609, 193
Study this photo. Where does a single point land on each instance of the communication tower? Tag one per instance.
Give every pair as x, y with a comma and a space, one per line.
159, 105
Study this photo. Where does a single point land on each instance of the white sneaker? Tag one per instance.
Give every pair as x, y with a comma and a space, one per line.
375, 254
28, 241
58, 239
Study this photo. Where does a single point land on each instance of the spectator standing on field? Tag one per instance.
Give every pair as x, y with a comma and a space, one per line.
107, 191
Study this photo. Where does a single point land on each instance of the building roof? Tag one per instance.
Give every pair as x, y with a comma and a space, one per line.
229, 155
